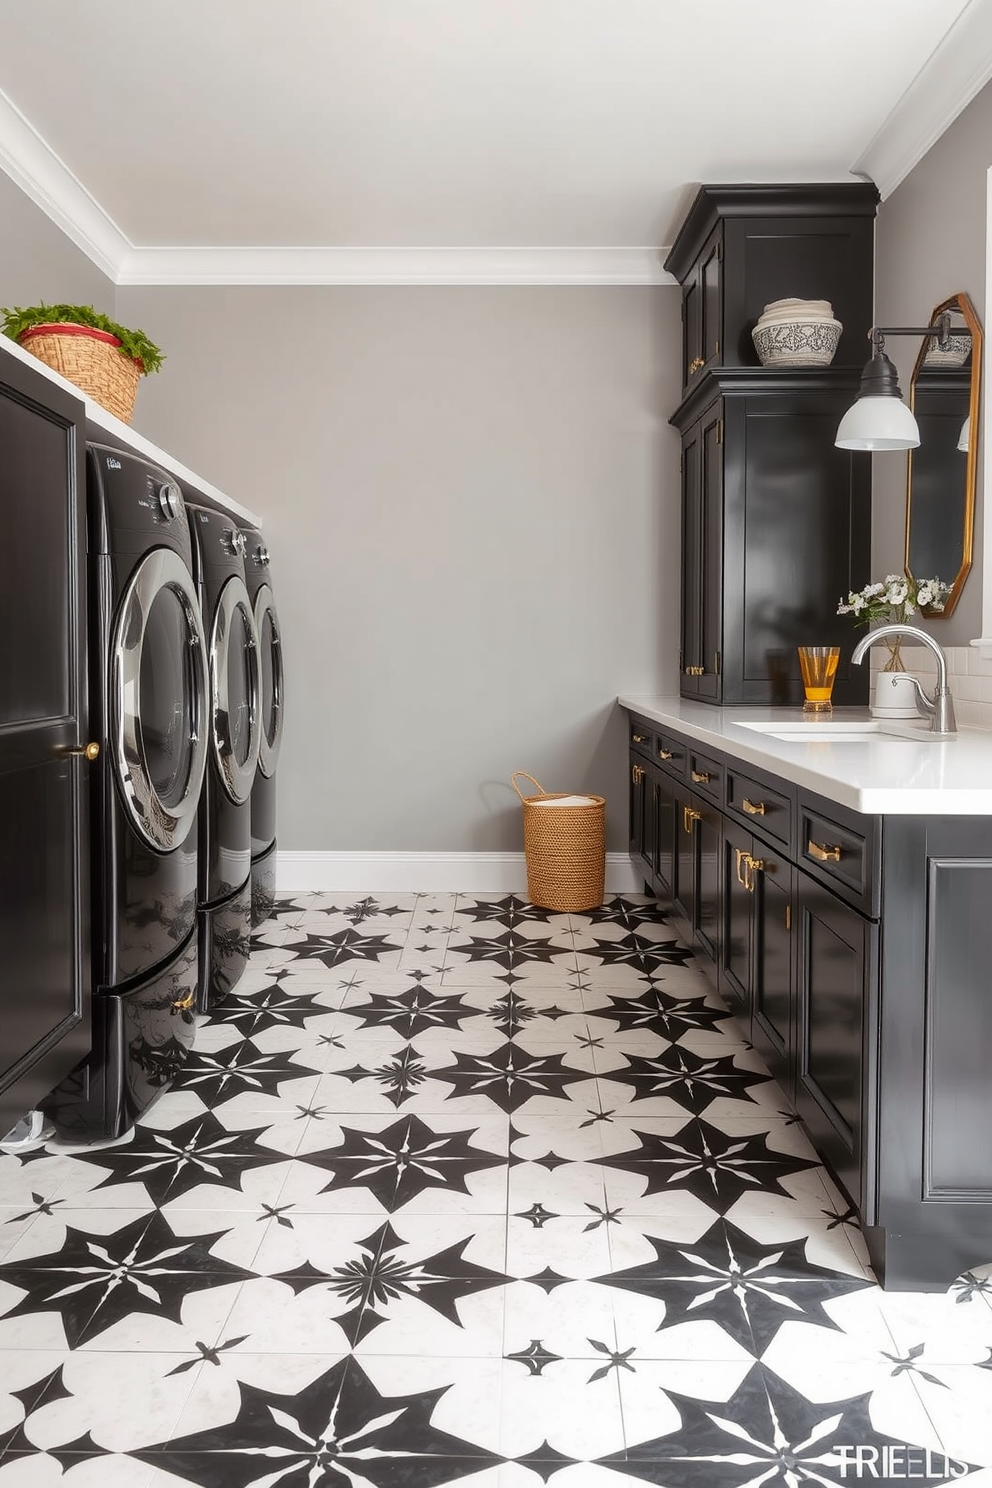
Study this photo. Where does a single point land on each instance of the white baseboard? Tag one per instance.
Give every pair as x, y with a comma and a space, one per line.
424, 873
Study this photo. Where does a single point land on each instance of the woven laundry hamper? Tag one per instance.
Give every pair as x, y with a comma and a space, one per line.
565, 847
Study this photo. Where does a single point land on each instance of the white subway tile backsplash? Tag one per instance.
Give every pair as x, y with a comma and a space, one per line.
969, 675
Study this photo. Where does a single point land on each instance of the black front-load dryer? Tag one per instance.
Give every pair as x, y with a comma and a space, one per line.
224, 879
258, 577
148, 701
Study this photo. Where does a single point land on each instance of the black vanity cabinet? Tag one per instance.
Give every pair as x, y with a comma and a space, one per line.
44, 907
776, 522
854, 953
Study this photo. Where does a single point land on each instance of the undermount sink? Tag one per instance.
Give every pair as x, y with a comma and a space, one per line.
845, 731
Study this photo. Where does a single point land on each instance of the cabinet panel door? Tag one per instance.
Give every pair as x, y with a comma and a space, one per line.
690, 635
44, 910
667, 826
711, 555
708, 839
833, 963
636, 803
684, 878
773, 1002
737, 913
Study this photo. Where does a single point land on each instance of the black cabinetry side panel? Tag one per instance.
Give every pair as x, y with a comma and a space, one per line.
958, 1030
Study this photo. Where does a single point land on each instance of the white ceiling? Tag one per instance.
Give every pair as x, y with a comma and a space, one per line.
487, 140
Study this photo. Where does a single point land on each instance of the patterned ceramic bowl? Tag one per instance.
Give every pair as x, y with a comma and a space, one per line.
797, 343
954, 355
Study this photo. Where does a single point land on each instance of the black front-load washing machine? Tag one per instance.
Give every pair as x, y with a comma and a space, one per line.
258, 577
224, 892
149, 706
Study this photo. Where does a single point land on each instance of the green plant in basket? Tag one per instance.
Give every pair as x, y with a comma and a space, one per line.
133, 343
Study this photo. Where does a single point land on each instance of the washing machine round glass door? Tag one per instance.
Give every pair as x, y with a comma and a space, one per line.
270, 652
159, 699
235, 686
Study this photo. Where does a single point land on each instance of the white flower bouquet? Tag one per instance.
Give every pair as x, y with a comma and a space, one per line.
893, 601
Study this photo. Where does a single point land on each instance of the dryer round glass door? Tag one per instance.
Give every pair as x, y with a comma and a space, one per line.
270, 651
158, 683
235, 690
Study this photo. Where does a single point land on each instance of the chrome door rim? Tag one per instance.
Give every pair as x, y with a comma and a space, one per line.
164, 827
268, 753
237, 778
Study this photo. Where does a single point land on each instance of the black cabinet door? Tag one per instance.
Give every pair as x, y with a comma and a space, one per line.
44, 911
637, 799
667, 826
702, 557
737, 916
702, 309
773, 1029
833, 962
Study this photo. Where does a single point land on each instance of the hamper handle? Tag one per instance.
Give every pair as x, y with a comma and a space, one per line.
513, 781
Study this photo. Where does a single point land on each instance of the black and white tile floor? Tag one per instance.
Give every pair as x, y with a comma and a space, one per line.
457, 1190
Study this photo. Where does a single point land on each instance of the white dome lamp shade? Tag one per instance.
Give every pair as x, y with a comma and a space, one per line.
880, 420
964, 438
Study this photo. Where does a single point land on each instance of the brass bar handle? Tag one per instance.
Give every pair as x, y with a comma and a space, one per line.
695, 365
85, 751
666, 754
639, 738
753, 808
740, 855
754, 865
702, 777
636, 774
823, 854
689, 817
184, 1004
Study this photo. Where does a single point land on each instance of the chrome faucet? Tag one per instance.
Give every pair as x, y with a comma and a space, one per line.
940, 708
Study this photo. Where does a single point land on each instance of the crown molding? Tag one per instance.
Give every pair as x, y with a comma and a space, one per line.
941, 90
34, 166
409, 266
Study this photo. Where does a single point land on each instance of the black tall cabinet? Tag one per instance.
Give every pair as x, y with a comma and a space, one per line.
44, 904
776, 521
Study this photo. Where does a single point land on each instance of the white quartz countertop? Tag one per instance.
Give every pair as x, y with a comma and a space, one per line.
877, 774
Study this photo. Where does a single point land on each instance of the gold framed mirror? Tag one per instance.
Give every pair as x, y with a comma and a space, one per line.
941, 475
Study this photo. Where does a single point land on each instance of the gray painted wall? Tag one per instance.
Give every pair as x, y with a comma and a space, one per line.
39, 263
930, 243
471, 496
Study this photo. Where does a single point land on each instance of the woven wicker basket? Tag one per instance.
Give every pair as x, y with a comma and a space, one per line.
92, 360
565, 849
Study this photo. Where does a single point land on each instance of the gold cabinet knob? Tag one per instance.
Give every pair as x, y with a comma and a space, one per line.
87, 751
695, 365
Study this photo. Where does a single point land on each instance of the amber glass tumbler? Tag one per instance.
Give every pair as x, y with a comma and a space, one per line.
819, 667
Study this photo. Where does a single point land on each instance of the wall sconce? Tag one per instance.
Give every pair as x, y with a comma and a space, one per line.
880, 420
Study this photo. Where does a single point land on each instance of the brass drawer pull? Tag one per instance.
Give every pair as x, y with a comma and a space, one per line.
823, 854
754, 808
184, 1004
639, 738
747, 867
636, 774
702, 777
741, 857
666, 754
695, 365
689, 817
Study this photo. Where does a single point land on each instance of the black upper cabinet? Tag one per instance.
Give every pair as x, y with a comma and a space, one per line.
776, 521
44, 908
741, 247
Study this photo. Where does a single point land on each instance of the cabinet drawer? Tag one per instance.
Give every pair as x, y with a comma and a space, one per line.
671, 754
706, 776
765, 808
641, 736
840, 852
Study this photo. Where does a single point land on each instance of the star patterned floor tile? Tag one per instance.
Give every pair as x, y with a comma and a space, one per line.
456, 1189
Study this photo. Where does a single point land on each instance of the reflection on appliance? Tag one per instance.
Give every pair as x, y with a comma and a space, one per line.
258, 577
224, 879
148, 702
